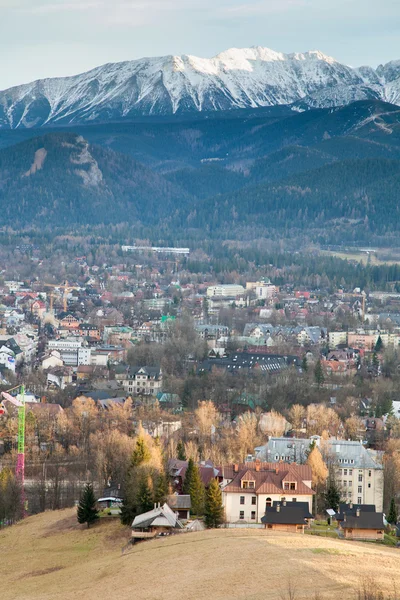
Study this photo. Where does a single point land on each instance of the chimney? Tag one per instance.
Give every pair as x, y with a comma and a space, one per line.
276, 470
155, 505
344, 517
351, 505
284, 503
236, 468
358, 512
257, 466
278, 508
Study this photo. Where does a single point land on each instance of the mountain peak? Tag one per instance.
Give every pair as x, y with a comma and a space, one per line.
236, 78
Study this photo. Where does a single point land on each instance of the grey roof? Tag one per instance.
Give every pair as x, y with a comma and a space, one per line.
179, 502
366, 520
161, 516
347, 453
351, 510
286, 515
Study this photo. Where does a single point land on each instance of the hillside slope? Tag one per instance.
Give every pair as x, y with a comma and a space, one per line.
51, 557
59, 179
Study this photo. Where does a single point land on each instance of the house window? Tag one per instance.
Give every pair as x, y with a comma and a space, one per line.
294, 499
241, 514
254, 500
369, 473
344, 471
350, 471
241, 499
350, 483
253, 515
360, 489
344, 483
369, 485
360, 478
285, 485
251, 484
268, 502
359, 500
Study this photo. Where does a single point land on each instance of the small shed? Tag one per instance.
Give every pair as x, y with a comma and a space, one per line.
365, 525
292, 517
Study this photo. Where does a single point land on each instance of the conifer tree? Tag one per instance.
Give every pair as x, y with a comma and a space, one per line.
332, 493
144, 496
160, 488
87, 511
304, 364
379, 344
188, 477
141, 453
319, 374
180, 451
213, 509
392, 516
195, 489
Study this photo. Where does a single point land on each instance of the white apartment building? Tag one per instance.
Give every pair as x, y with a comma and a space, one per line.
72, 351
230, 290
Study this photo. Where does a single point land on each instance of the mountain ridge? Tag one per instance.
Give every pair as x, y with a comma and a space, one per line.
236, 78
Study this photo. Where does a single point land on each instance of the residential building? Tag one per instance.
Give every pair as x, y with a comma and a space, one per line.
359, 469
226, 290
252, 488
161, 519
140, 380
337, 338
72, 351
181, 504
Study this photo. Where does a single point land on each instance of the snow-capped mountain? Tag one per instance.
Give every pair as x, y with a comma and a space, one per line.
237, 78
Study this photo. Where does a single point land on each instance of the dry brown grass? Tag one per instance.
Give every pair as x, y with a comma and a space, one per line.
50, 557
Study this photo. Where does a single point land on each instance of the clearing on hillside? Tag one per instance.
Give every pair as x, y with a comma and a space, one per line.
51, 557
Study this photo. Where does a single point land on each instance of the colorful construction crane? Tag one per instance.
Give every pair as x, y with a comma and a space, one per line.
20, 404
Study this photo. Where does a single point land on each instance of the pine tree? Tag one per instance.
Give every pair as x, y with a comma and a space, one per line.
196, 491
160, 488
319, 374
304, 364
188, 477
144, 496
141, 453
392, 516
379, 344
180, 451
87, 511
332, 493
213, 509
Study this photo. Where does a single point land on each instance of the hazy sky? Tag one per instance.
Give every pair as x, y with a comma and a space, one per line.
46, 38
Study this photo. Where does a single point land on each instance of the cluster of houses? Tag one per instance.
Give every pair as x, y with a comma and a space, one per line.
277, 496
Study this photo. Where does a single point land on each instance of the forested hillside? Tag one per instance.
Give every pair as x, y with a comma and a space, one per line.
332, 173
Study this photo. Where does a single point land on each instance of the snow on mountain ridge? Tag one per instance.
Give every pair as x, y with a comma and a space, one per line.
235, 78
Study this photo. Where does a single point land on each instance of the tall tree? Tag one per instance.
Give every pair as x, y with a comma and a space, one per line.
180, 451
193, 486
213, 509
87, 511
392, 516
141, 453
332, 494
319, 374
160, 488
144, 496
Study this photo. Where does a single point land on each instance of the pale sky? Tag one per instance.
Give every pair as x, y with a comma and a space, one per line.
48, 38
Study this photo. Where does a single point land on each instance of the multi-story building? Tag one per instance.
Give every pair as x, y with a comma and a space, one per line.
336, 338
229, 290
250, 488
72, 350
359, 469
140, 380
